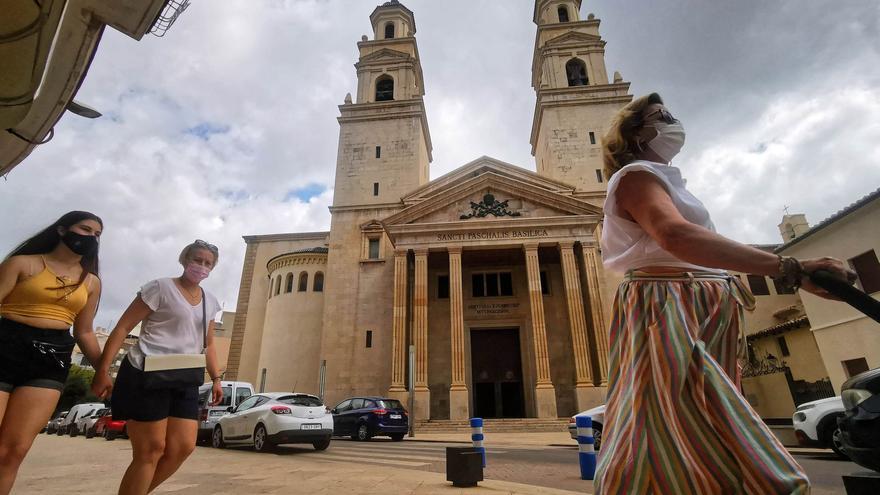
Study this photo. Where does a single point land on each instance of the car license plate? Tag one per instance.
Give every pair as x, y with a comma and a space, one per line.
395, 416
310, 427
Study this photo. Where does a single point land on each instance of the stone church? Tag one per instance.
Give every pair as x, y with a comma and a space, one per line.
481, 291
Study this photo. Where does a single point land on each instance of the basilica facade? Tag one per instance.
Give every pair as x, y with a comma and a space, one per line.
480, 292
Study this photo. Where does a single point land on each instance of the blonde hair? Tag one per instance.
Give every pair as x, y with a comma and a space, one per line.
619, 145
187, 252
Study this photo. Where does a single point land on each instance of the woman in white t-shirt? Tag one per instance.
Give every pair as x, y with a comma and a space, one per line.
675, 421
177, 317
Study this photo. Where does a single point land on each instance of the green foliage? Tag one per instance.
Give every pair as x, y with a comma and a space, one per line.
77, 389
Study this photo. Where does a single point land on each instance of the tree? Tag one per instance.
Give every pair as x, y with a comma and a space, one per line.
77, 389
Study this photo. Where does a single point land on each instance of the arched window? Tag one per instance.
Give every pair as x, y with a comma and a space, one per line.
318, 284
384, 88
303, 282
278, 285
576, 70
271, 287
288, 283
563, 14
389, 31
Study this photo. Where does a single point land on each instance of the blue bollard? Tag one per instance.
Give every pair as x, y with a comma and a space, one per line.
477, 437
586, 453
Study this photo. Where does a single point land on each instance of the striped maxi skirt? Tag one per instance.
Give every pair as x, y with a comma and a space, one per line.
675, 421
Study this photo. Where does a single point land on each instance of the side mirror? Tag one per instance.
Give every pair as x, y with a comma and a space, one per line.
230, 409
333, 411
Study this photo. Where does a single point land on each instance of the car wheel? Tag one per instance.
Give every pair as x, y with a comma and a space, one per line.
833, 440
90, 433
597, 437
397, 437
321, 444
109, 435
217, 438
261, 439
59, 432
72, 431
363, 433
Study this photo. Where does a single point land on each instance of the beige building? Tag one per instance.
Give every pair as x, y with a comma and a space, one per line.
802, 347
489, 274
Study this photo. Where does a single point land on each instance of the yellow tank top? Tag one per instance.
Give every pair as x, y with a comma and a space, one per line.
45, 295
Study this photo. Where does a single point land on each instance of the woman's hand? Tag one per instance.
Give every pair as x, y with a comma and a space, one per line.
216, 393
836, 267
102, 385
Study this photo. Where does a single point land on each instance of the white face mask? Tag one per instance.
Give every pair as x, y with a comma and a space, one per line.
668, 141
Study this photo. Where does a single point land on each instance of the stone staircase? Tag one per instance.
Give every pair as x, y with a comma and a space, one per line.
518, 425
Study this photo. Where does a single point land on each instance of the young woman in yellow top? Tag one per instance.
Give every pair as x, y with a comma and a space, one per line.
47, 284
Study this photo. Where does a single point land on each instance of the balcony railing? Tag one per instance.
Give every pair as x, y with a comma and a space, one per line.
170, 12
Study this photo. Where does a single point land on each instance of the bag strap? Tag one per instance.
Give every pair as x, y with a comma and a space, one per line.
204, 323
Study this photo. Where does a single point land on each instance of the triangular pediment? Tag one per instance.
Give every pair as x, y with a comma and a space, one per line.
573, 37
487, 189
385, 55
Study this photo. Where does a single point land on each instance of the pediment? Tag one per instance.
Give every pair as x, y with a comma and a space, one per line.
384, 55
480, 166
572, 37
490, 195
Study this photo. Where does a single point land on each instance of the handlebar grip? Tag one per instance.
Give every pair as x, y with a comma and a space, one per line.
848, 293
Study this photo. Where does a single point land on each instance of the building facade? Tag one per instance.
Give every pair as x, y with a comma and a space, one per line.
490, 275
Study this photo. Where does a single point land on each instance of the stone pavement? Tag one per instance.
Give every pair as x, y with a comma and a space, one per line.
59, 465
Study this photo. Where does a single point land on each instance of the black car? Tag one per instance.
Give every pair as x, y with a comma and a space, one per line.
365, 417
860, 426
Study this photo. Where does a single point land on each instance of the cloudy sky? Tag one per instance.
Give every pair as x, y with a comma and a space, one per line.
227, 125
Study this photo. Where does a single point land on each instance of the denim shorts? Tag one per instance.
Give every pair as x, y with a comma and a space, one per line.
132, 401
33, 357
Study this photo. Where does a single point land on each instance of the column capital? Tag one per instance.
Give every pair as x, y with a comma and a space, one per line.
454, 249
566, 245
401, 251
422, 251
530, 246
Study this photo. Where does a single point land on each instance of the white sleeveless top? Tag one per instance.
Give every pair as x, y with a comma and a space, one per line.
625, 245
174, 326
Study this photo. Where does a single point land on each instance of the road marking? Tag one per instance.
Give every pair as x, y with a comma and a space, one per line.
325, 456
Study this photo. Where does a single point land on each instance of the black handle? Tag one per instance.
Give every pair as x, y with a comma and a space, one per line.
849, 294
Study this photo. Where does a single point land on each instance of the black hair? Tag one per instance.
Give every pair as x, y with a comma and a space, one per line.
47, 239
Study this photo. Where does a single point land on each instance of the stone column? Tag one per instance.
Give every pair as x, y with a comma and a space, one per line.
585, 391
420, 336
545, 393
398, 329
600, 329
458, 391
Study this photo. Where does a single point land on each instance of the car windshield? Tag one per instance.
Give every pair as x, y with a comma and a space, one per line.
205, 398
301, 400
391, 404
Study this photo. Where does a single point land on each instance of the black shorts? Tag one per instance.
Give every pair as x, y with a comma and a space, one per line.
33, 357
131, 401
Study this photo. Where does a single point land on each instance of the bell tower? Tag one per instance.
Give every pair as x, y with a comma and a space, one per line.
575, 100
384, 143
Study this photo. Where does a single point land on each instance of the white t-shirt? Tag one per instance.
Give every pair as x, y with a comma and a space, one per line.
174, 326
625, 245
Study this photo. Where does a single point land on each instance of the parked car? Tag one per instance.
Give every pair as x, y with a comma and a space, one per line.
234, 393
860, 425
110, 428
597, 415
270, 419
52, 425
815, 424
68, 424
86, 424
365, 417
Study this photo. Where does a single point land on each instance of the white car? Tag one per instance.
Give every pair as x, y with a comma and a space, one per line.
815, 424
597, 415
86, 424
77, 412
270, 419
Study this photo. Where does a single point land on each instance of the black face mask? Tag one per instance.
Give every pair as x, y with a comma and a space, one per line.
83, 245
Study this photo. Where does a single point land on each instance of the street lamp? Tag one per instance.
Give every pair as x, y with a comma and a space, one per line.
83, 110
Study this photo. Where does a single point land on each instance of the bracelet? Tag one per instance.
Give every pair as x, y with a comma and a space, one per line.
790, 272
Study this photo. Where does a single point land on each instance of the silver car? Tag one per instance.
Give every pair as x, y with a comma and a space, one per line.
597, 415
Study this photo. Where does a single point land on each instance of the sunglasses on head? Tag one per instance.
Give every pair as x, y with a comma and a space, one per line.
664, 116
208, 246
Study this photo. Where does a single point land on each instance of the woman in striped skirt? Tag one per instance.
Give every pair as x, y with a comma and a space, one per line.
675, 421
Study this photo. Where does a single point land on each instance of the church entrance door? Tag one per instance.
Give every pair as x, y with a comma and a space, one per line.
497, 373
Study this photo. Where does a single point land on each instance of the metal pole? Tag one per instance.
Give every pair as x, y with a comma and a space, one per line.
321, 382
412, 390
263, 381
